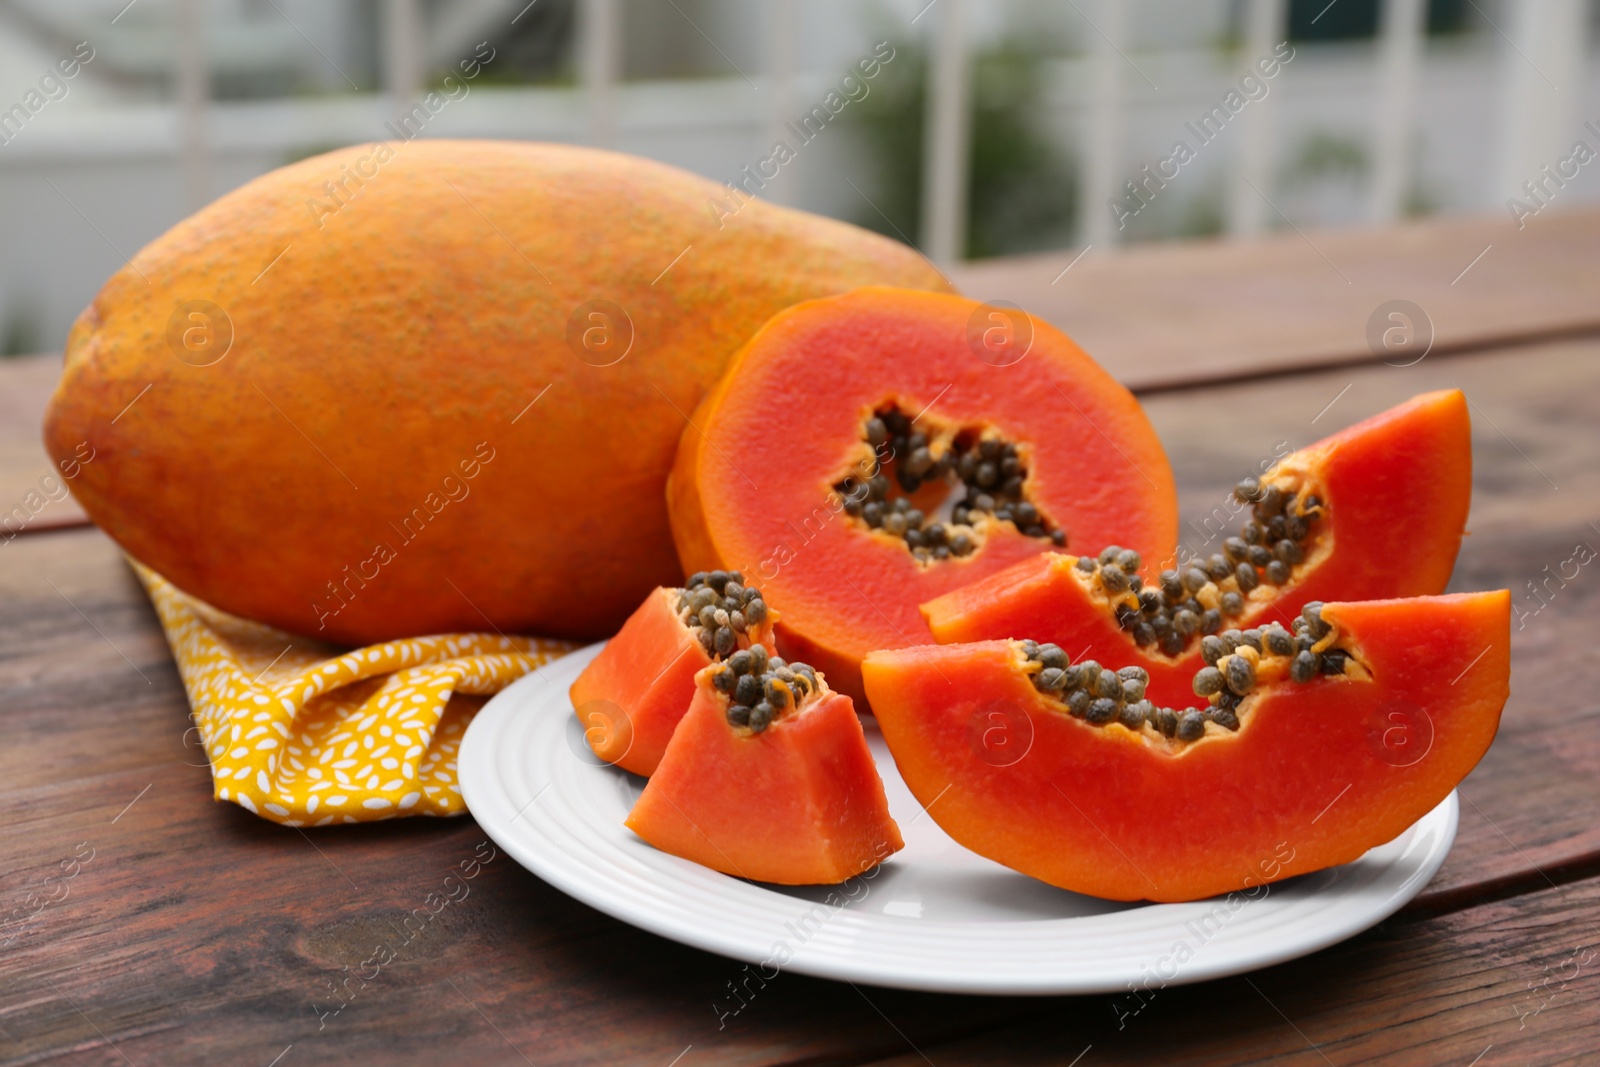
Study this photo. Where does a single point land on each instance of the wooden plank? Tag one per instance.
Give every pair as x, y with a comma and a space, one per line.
1157, 315
1507, 982
200, 932
28, 480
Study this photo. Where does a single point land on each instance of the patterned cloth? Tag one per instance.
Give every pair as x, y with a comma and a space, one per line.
307, 735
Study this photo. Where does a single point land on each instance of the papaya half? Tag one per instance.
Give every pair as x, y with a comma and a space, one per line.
408, 388
1308, 752
783, 790
867, 452
630, 697
1377, 510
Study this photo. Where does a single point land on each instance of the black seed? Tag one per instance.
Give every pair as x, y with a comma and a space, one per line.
1304, 641
983, 502
1278, 641
737, 620
1050, 680
707, 639
1224, 717
740, 662
1218, 568
991, 448
1058, 538
879, 485
1248, 491
1101, 711
1271, 503
804, 671
914, 518
1078, 702
1333, 661
1003, 513
1171, 586
967, 465
961, 544
1228, 699
1133, 689
1231, 639
1192, 726
872, 514
1166, 720
1026, 513
1297, 527
1277, 528
1312, 613
695, 579
913, 538
1288, 552
1260, 555
758, 659
1251, 533
1109, 685
1130, 674
1212, 648
910, 482
1231, 603
1114, 579
1133, 715
776, 663
725, 680
724, 641
941, 552
761, 716
1312, 503
1235, 548
1086, 564
751, 593
877, 432
748, 689
1240, 675
1108, 555
1053, 656
1127, 616
1246, 576
1207, 680
1172, 643
717, 579
1030, 648
701, 598
1277, 572
738, 715
1088, 673
755, 612
1129, 560
1195, 579
1161, 623
1151, 601
776, 694
1251, 637
920, 461
1185, 622
1210, 621
1144, 635
934, 534
986, 475
1304, 667
1012, 486
1012, 464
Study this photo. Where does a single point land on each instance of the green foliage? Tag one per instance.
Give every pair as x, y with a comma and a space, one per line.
1021, 189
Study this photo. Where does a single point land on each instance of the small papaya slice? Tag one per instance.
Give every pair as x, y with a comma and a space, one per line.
1374, 511
1307, 752
769, 777
631, 696
865, 453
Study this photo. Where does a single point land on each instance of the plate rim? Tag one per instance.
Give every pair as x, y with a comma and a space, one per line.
490, 806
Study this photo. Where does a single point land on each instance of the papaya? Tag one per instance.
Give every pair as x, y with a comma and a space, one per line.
781, 790
867, 452
1377, 510
630, 697
407, 388
1314, 745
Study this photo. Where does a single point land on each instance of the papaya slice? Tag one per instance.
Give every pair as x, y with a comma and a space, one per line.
768, 777
631, 696
1294, 769
1374, 511
865, 453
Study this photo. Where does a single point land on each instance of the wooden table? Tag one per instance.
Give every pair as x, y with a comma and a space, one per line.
193, 932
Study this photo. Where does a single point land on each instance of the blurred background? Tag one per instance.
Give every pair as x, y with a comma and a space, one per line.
984, 130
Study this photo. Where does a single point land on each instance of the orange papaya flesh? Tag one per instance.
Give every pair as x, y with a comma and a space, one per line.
630, 697
1315, 774
796, 802
1391, 497
784, 474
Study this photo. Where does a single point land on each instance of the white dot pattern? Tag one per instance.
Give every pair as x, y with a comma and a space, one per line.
304, 735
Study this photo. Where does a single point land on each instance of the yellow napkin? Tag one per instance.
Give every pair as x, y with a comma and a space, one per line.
302, 734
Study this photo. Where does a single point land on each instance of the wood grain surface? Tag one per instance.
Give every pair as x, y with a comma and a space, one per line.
149, 925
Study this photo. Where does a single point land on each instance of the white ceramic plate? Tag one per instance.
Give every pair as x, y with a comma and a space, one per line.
934, 917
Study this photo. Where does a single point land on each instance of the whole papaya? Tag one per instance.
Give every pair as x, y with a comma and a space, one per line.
412, 387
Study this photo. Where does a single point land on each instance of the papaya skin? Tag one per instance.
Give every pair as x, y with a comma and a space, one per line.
1315, 776
410, 329
1398, 487
845, 590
